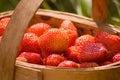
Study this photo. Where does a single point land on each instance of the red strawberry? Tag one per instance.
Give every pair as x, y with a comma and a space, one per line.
73, 35
22, 59
30, 43
92, 52
111, 42
80, 41
2, 29
68, 64
53, 60
88, 65
105, 63
38, 28
116, 57
67, 24
4, 21
31, 57
72, 53
3, 24
54, 41
70, 29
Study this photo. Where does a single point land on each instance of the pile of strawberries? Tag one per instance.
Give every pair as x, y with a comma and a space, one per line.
63, 48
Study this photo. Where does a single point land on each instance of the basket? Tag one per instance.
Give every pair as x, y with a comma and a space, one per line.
11, 69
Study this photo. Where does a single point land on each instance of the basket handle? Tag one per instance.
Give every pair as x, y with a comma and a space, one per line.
15, 30
13, 36
99, 10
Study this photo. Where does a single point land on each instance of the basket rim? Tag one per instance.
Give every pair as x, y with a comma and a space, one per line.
99, 68
75, 18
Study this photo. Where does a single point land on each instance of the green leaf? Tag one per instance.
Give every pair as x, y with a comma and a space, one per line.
86, 7
114, 12
6, 5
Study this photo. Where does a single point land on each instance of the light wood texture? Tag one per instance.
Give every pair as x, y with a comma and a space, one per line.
97, 73
13, 35
99, 10
26, 73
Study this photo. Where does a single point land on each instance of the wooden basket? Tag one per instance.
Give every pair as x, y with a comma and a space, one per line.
26, 71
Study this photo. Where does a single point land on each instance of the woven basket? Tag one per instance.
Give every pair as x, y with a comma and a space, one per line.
26, 71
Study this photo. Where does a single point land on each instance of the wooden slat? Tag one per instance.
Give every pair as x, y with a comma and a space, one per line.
13, 35
96, 73
26, 73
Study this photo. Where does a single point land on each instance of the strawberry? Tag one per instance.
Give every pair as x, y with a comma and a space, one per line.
80, 41
67, 24
2, 29
92, 52
54, 41
116, 57
88, 65
4, 21
53, 59
30, 43
3, 24
70, 29
68, 64
111, 42
31, 57
73, 35
72, 53
38, 28
105, 63
22, 59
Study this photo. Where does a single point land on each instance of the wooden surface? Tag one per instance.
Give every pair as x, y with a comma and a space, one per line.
27, 73
13, 35
97, 73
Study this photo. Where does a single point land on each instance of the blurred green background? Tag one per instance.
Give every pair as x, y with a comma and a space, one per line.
80, 7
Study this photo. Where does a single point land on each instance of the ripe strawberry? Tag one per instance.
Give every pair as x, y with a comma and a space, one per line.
116, 57
92, 52
2, 29
70, 29
105, 63
22, 59
38, 28
54, 41
88, 65
73, 35
3, 24
30, 43
80, 41
68, 64
31, 57
72, 53
111, 42
4, 21
67, 24
53, 60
